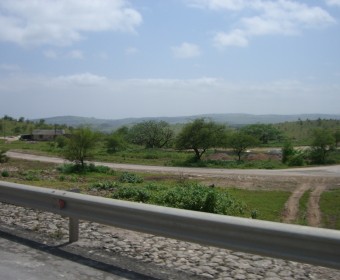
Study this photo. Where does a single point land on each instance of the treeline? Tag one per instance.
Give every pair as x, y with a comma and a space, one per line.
10, 126
198, 136
201, 135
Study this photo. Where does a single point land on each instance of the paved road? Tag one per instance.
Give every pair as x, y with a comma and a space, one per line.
22, 259
327, 171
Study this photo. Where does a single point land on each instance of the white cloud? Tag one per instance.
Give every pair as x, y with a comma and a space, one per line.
235, 38
186, 50
76, 54
282, 17
83, 79
63, 22
218, 4
333, 2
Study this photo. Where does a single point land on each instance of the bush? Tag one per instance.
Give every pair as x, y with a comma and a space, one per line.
4, 173
132, 193
188, 196
104, 185
128, 177
296, 160
288, 151
70, 168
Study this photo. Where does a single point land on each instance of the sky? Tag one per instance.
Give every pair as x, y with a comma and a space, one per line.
117, 59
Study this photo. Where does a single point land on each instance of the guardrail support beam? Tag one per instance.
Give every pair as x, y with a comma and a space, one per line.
73, 230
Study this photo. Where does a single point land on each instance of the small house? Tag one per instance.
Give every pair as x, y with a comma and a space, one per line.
46, 134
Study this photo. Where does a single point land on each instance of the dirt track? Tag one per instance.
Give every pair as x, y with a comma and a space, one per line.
297, 180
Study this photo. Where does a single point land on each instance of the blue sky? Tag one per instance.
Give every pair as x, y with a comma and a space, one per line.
116, 58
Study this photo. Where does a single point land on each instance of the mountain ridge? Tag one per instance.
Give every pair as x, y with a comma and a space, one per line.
232, 119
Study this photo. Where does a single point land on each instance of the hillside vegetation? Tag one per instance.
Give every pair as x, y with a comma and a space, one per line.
301, 132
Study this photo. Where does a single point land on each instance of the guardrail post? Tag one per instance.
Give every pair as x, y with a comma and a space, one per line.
73, 230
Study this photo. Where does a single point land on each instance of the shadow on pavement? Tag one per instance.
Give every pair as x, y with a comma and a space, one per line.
59, 252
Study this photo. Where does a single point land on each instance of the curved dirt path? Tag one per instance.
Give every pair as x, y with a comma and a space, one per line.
291, 209
314, 213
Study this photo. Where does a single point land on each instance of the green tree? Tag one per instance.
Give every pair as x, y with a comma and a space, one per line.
240, 142
291, 156
151, 134
115, 142
263, 132
287, 151
201, 135
322, 144
337, 137
80, 145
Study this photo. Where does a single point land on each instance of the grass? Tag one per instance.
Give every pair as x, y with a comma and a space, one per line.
303, 207
268, 204
330, 208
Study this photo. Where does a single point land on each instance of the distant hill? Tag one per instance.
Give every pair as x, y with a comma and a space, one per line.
230, 119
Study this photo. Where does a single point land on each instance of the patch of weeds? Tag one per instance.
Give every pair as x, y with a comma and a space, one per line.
70, 168
128, 177
254, 214
57, 234
104, 185
194, 197
303, 207
4, 173
31, 175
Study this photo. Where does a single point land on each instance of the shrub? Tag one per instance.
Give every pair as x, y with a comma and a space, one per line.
69, 168
31, 175
4, 173
132, 193
128, 177
297, 159
104, 185
287, 151
189, 196
254, 214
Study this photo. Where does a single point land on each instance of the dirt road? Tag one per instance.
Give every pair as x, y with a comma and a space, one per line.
323, 171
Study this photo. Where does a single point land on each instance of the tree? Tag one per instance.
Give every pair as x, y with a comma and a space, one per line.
322, 144
115, 142
201, 135
80, 145
337, 137
287, 151
240, 142
151, 134
291, 156
263, 132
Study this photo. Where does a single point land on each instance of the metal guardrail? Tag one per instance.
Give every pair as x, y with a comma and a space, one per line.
292, 242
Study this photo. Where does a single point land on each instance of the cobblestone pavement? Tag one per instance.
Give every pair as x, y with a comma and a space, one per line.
193, 260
